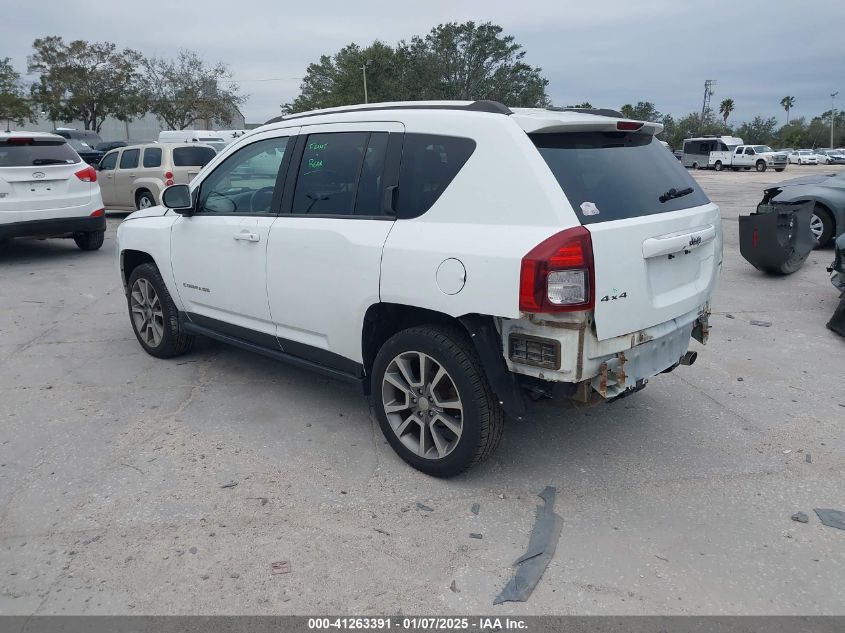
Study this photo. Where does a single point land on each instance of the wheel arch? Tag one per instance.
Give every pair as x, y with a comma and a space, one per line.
130, 259
383, 320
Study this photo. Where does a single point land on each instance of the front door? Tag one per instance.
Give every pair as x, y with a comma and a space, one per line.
127, 171
107, 170
219, 254
324, 256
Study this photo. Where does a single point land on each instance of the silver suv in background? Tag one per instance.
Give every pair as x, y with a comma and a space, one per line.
133, 177
46, 190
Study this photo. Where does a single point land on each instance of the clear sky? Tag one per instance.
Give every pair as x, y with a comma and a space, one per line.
608, 52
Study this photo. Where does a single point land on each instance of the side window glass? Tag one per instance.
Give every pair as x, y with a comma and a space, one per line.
129, 159
429, 164
738, 150
327, 180
749, 151
246, 181
152, 157
368, 199
108, 162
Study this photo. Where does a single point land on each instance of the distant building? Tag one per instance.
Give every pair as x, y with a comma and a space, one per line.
144, 129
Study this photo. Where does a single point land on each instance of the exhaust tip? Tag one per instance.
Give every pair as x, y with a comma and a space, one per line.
689, 358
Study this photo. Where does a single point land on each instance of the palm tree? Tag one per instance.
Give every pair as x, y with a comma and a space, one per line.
788, 103
725, 109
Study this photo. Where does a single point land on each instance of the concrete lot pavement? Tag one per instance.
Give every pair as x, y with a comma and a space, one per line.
675, 501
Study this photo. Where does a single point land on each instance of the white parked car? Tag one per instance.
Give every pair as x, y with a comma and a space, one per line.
47, 190
206, 137
448, 257
803, 157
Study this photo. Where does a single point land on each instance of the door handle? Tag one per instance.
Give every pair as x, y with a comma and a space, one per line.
246, 236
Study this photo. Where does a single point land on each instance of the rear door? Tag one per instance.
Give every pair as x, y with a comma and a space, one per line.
188, 160
656, 237
38, 180
324, 257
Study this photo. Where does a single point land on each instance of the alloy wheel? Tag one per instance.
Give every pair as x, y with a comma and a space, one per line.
422, 405
147, 315
816, 227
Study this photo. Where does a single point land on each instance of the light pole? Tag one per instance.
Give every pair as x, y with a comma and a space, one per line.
832, 114
364, 70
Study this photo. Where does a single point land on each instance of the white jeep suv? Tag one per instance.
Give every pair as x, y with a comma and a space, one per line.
46, 190
454, 259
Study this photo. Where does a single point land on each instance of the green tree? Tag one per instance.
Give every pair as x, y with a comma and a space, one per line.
725, 109
338, 80
453, 61
85, 81
187, 89
15, 107
584, 104
758, 131
643, 111
787, 103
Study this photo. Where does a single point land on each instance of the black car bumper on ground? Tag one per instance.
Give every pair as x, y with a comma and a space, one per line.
54, 227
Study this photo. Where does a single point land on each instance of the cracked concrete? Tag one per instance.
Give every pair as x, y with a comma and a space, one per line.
676, 500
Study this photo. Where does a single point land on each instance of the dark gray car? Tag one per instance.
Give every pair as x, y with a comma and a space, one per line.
826, 191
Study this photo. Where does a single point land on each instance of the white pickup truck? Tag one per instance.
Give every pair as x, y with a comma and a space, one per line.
760, 157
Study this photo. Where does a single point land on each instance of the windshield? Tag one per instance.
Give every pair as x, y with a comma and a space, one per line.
762, 148
192, 156
24, 152
616, 175
80, 146
805, 152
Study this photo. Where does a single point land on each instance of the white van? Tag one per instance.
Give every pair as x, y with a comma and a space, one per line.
207, 137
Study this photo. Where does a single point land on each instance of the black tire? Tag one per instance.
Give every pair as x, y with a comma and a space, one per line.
718, 165
779, 169
734, 168
695, 166
482, 417
90, 241
827, 226
174, 341
760, 165
144, 195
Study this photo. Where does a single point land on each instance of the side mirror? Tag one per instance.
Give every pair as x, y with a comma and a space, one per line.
178, 198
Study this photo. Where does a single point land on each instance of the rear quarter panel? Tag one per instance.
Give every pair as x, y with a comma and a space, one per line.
502, 203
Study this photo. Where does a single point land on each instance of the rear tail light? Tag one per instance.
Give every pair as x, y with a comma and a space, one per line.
168, 175
557, 275
98, 213
89, 174
628, 126
20, 140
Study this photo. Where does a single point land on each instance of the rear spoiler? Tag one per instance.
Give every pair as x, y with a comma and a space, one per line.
536, 125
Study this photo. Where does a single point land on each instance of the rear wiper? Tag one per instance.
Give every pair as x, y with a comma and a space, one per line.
49, 161
675, 193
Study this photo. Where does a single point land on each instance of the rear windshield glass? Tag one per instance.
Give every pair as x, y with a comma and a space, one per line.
616, 175
29, 152
192, 156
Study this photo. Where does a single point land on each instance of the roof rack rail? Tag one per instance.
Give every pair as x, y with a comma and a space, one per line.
482, 105
596, 111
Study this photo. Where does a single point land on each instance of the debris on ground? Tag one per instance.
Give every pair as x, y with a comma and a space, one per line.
787, 451
235, 575
231, 484
193, 550
93, 539
423, 507
380, 531
808, 458
740, 379
476, 508
730, 316
801, 517
454, 587
541, 548
476, 535
761, 323
661, 557
280, 567
831, 518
